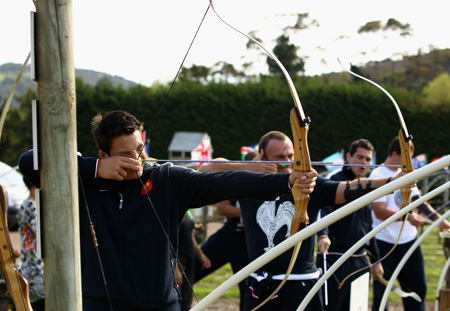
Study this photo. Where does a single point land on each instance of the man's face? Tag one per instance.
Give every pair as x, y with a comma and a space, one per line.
280, 150
361, 156
126, 146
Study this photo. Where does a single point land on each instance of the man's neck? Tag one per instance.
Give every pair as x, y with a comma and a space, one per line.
390, 160
32, 195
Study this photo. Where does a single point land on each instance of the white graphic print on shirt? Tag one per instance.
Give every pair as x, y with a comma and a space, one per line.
271, 220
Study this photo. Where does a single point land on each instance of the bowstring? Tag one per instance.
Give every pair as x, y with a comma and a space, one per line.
94, 240
402, 285
181, 267
178, 72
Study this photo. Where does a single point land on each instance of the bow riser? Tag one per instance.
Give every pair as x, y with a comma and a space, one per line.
406, 163
406, 148
301, 163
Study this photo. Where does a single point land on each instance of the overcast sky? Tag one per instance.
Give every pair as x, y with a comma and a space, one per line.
145, 41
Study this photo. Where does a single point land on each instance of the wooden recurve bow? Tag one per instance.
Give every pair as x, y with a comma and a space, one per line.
17, 285
405, 145
405, 141
15, 282
302, 161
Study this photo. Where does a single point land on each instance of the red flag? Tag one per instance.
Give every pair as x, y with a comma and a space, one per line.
435, 159
202, 151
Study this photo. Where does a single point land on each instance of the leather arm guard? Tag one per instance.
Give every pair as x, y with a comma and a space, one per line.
353, 194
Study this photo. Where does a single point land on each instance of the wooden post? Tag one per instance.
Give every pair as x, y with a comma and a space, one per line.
58, 161
444, 299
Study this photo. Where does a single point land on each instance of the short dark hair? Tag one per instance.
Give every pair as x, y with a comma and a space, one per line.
112, 125
269, 136
251, 155
395, 146
360, 143
27, 182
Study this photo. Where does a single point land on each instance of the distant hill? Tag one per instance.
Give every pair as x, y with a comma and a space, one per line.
92, 77
437, 58
9, 72
412, 72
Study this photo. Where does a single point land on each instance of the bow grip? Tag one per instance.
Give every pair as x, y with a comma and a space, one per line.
406, 163
302, 163
406, 149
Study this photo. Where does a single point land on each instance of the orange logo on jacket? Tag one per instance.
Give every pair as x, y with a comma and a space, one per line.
147, 187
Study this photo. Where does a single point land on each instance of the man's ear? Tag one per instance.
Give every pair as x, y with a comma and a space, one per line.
102, 154
348, 156
261, 155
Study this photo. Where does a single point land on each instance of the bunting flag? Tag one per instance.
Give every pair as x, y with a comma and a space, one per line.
146, 145
336, 158
202, 151
247, 149
420, 160
435, 159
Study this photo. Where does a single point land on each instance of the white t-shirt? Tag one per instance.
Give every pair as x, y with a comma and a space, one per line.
393, 202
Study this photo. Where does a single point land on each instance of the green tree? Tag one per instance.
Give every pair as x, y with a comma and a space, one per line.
226, 71
195, 73
86, 109
393, 24
17, 131
437, 92
372, 26
287, 55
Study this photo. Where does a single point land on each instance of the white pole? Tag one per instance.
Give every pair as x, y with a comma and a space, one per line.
367, 237
409, 253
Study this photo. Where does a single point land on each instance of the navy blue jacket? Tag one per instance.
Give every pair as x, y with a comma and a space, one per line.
137, 259
349, 230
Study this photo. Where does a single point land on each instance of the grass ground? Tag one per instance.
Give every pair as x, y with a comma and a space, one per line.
434, 258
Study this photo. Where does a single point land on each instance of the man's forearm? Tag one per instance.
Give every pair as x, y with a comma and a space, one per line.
351, 190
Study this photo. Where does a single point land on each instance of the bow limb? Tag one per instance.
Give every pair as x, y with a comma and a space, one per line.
405, 142
11, 94
16, 283
398, 290
302, 161
404, 138
291, 85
